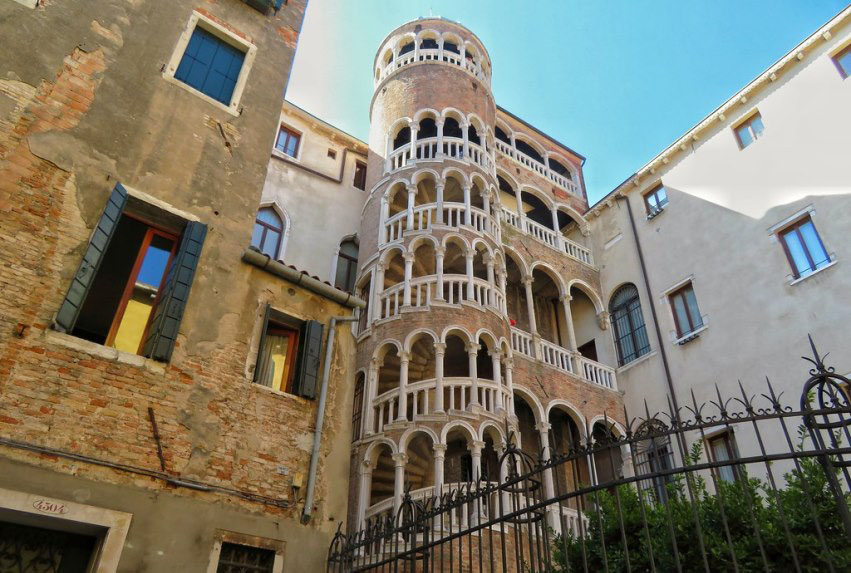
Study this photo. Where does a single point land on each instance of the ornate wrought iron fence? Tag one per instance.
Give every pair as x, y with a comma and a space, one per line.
693, 502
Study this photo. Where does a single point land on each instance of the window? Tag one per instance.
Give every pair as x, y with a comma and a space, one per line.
803, 247
723, 448
654, 455
289, 354
749, 130
629, 330
686, 313
268, 232
655, 201
842, 60
288, 141
332, 154
133, 282
360, 175
210, 65
357, 407
347, 266
236, 558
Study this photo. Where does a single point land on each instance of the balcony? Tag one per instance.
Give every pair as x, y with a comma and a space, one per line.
452, 215
429, 149
563, 359
538, 167
549, 237
419, 400
431, 55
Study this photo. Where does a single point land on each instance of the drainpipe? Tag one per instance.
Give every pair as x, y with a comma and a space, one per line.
652, 309
320, 416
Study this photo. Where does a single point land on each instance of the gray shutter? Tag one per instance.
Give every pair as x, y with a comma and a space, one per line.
262, 341
83, 278
308, 375
165, 324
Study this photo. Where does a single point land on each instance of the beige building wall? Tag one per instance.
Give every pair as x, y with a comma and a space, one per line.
724, 203
315, 192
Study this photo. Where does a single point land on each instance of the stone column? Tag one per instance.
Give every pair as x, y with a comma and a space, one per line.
378, 314
472, 353
363, 494
412, 198
439, 457
553, 518
468, 215
509, 383
438, 190
556, 230
439, 354
491, 281
409, 266
568, 321
370, 307
501, 280
439, 124
476, 455
438, 263
414, 129
400, 460
530, 305
404, 360
371, 389
469, 257
497, 378
389, 150
464, 133
382, 221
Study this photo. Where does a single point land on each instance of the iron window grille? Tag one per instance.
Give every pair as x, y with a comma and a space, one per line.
629, 328
235, 558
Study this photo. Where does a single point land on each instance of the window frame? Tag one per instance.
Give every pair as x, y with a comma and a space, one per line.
795, 226
278, 248
633, 331
227, 36
222, 536
729, 442
846, 50
291, 132
748, 121
653, 192
359, 165
352, 263
678, 291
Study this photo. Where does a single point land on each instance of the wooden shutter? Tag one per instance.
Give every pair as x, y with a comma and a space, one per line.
308, 375
262, 341
83, 278
165, 323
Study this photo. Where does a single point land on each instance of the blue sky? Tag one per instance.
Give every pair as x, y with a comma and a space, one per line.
617, 81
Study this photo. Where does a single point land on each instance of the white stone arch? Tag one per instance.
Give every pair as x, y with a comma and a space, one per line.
504, 126
417, 241
454, 113
462, 238
371, 453
567, 407
505, 347
395, 128
457, 329
287, 220
408, 435
478, 178
457, 174
554, 275
388, 254
409, 339
533, 402
403, 182
616, 426
479, 241
429, 33
424, 173
575, 215
471, 49
509, 178
381, 348
527, 189
474, 119
589, 292
564, 161
425, 112
487, 334
454, 38
402, 40
472, 435
517, 259
491, 424
387, 56
521, 136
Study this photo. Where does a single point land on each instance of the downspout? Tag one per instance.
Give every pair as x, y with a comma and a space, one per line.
320, 417
652, 309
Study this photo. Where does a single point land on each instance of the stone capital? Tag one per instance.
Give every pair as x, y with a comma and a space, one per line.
400, 459
473, 347
527, 281
476, 446
439, 251
405, 356
543, 427
409, 257
495, 353
439, 450
565, 298
439, 348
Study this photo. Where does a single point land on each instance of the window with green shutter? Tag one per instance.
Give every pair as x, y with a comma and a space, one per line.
132, 285
289, 354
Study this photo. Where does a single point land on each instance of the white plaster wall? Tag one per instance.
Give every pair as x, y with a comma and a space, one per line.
723, 200
321, 211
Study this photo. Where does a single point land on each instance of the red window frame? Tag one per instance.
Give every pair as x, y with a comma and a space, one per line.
291, 134
131, 281
795, 227
681, 292
292, 335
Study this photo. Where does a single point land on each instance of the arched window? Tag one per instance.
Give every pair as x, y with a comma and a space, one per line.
347, 266
268, 232
630, 332
451, 128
